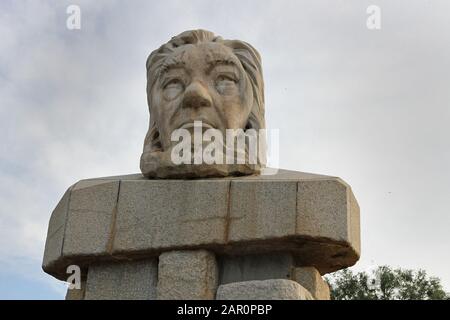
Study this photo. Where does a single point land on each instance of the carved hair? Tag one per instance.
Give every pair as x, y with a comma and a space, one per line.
246, 54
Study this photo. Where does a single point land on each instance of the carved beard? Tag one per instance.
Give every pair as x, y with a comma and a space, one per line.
157, 163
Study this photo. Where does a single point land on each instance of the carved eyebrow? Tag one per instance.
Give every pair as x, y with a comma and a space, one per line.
213, 63
171, 64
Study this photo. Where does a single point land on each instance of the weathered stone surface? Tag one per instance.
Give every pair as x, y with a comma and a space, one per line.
187, 56
311, 280
255, 267
354, 222
261, 228
55, 233
122, 280
327, 209
93, 205
316, 218
77, 294
170, 214
262, 209
277, 289
191, 275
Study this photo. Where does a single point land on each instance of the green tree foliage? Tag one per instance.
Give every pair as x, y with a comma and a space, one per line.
385, 283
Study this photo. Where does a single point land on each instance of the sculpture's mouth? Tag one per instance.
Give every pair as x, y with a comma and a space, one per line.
197, 124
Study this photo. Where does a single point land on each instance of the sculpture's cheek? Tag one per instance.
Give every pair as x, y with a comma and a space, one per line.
227, 88
233, 113
163, 106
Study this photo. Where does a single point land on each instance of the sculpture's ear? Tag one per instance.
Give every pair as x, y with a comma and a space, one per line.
253, 122
249, 125
152, 139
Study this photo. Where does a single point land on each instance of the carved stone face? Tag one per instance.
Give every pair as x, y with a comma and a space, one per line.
204, 82
198, 76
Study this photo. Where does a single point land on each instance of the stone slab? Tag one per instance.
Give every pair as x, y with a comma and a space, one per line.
262, 210
276, 289
314, 217
170, 214
122, 280
77, 294
92, 210
310, 279
55, 233
187, 275
255, 267
323, 209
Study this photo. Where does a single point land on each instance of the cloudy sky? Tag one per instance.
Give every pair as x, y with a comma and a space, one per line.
369, 106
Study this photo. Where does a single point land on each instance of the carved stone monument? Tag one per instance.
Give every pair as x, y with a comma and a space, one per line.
198, 76
205, 229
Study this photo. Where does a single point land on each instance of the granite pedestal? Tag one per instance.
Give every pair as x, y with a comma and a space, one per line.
185, 239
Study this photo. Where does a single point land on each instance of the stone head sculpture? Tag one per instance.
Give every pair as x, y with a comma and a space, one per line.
199, 81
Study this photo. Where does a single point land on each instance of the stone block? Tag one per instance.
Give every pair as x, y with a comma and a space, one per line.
311, 280
92, 210
122, 280
262, 209
354, 222
55, 233
76, 294
255, 267
276, 289
325, 209
316, 218
171, 213
187, 275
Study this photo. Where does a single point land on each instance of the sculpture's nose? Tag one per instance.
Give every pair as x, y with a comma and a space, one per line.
196, 96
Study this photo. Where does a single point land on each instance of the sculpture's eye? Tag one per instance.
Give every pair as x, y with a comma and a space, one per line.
172, 88
226, 84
